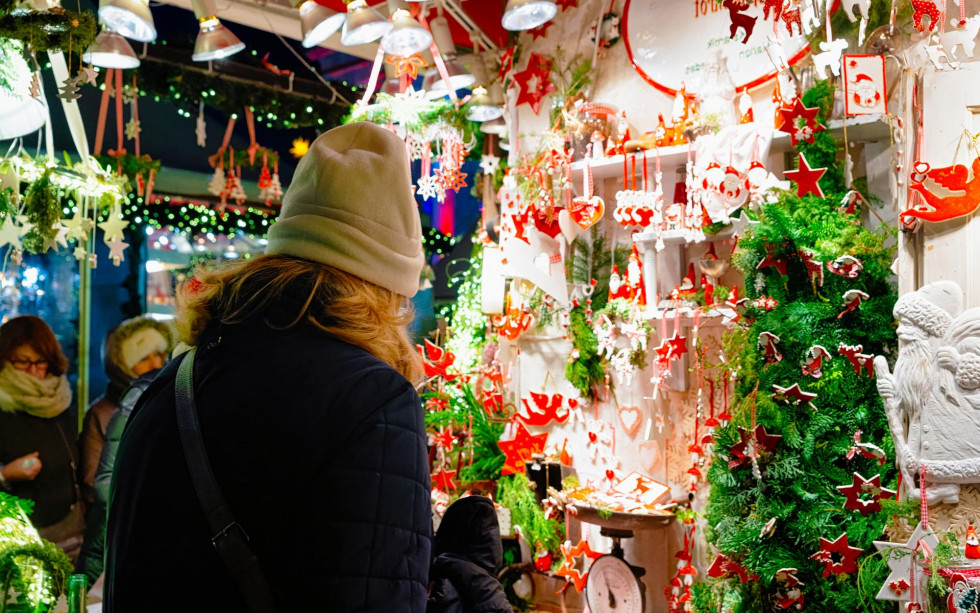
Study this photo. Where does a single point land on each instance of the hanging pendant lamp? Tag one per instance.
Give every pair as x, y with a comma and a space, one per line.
363, 24
130, 18
214, 40
407, 36
110, 50
527, 14
318, 23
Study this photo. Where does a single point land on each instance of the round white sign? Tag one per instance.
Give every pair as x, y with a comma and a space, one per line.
669, 42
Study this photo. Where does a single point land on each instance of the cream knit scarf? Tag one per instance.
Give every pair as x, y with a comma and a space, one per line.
21, 391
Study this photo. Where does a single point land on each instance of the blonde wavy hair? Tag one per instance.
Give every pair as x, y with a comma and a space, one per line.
285, 291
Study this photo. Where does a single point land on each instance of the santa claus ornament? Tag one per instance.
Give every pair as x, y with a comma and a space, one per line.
864, 85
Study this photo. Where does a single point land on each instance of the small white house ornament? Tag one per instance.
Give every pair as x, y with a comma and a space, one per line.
932, 400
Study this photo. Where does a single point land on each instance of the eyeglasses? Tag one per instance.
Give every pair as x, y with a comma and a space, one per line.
27, 364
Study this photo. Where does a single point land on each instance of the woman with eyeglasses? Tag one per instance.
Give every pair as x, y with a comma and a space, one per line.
38, 453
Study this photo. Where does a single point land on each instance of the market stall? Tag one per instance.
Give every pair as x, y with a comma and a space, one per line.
699, 313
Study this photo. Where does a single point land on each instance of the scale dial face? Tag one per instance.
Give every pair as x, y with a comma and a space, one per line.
612, 587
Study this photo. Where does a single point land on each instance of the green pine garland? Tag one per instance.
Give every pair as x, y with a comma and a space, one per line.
798, 483
21, 549
55, 30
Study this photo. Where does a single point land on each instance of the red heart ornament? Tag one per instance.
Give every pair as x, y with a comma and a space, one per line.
630, 416
593, 437
551, 228
610, 474
572, 403
587, 211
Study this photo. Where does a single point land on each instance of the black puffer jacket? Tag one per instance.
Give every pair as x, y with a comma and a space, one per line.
466, 554
320, 451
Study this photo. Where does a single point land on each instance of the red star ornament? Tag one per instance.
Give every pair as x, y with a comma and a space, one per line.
846, 560
520, 449
542, 30
723, 566
443, 480
806, 178
792, 395
798, 116
535, 82
772, 259
452, 178
506, 63
444, 438
678, 345
407, 65
860, 486
576, 564
758, 441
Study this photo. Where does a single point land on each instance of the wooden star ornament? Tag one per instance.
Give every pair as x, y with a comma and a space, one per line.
860, 487
443, 480
723, 566
838, 557
792, 395
800, 121
576, 563
520, 449
753, 444
535, 82
806, 178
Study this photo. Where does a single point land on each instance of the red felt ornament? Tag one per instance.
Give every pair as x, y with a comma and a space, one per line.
520, 449
534, 82
845, 560
576, 562
922, 8
860, 486
963, 187
806, 178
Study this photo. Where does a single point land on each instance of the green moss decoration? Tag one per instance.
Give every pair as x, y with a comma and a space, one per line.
798, 482
43, 209
55, 30
21, 552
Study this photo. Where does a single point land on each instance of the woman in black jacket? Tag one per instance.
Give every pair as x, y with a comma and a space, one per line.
303, 376
38, 454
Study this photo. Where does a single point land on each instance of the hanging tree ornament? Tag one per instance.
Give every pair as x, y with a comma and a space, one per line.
69, 90
902, 558
800, 122
866, 450
814, 360
407, 65
436, 361
443, 480
837, 556
588, 208
116, 248
489, 163
576, 562
793, 395
723, 566
521, 449
772, 259
534, 82
814, 268
806, 178
201, 127
859, 361
859, 487
852, 301
114, 224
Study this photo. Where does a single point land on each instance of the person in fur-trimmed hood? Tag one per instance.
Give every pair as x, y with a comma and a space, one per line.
134, 347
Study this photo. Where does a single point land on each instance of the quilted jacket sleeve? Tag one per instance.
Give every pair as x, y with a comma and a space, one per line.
380, 474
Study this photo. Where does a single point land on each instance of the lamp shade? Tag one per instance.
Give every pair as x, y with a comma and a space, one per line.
495, 126
20, 115
215, 41
110, 50
406, 37
481, 107
130, 18
459, 77
318, 22
363, 24
527, 14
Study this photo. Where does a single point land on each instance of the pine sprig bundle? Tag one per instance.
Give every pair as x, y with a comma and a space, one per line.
798, 484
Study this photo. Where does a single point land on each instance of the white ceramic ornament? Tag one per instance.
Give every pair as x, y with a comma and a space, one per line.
569, 229
960, 36
932, 399
829, 58
896, 586
862, 6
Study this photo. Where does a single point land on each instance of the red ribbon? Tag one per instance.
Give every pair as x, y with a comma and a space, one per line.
103, 112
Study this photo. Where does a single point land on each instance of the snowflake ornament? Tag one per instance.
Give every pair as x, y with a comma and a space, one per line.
489, 163
429, 187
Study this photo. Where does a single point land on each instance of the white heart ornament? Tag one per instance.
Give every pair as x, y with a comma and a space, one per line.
569, 229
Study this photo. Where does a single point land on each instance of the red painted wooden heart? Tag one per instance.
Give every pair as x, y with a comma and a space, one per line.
587, 211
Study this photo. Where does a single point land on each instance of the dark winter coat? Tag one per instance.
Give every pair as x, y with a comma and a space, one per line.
466, 553
54, 490
320, 451
92, 559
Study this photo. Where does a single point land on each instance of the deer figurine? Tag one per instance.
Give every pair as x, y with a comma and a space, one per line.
862, 7
830, 57
790, 16
739, 19
961, 35
776, 6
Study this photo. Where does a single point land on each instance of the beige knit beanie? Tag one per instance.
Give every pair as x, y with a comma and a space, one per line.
350, 206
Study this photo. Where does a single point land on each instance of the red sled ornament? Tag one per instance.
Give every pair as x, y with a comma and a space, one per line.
866, 450
790, 592
767, 342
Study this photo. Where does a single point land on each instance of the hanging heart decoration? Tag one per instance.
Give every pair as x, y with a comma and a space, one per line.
630, 416
588, 208
649, 452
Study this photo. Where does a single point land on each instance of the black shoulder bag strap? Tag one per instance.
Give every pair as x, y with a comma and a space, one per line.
229, 539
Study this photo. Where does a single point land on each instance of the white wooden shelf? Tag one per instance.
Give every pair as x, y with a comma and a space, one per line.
676, 237
864, 128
